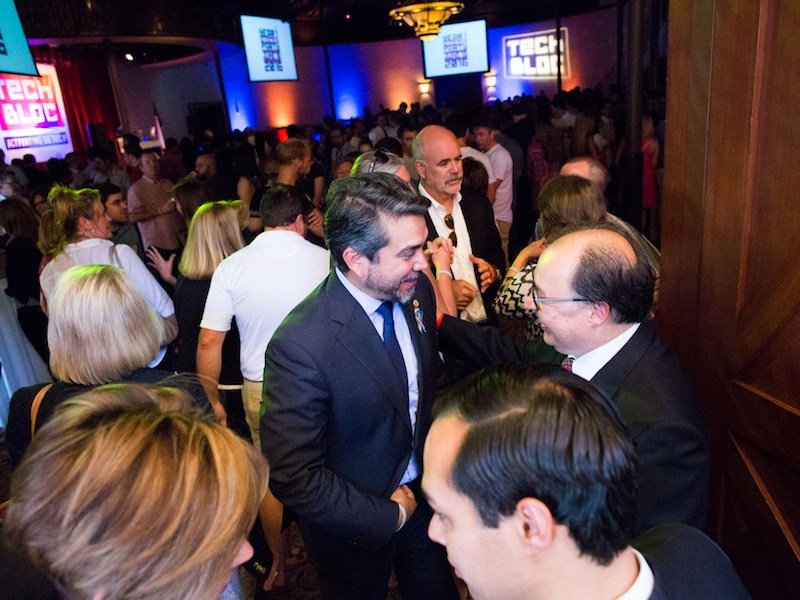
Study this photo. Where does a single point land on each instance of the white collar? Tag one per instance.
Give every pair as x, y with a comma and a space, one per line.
437, 206
367, 302
587, 365
644, 583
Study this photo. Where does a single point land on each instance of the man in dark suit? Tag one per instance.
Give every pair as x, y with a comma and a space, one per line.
467, 220
532, 477
592, 293
348, 387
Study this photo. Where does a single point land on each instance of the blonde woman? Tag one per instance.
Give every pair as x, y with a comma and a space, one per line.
214, 234
101, 330
126, 494
74, 231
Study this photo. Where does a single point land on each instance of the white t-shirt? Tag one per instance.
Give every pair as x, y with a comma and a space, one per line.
259, 285
503, 167
469, 151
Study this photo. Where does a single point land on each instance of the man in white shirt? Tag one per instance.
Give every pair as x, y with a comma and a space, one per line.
531, 476
485, 131
458, 126
259, 285
465, 220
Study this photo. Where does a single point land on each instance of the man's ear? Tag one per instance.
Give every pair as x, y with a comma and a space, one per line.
421, 170
600, 312
536, 525
356, 262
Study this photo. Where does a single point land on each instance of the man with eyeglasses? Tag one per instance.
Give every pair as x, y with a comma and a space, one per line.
592, 292
468, 221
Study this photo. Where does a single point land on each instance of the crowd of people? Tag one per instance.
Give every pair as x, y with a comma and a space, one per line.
428, 322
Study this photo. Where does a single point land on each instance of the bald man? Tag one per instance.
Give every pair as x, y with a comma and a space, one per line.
467, 220
592, 293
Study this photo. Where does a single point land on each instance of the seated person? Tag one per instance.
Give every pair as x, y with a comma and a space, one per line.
532, 479
128, 494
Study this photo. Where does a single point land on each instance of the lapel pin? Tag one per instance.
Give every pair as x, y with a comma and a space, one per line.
418, 316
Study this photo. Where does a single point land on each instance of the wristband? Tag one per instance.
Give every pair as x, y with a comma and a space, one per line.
444, 272
404, 514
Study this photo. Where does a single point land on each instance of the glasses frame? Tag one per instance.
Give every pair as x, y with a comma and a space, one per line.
538, 302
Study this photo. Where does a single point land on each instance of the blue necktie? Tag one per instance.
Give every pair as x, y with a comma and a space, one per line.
390, 341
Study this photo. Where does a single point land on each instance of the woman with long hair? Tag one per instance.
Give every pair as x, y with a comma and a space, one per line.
214, 234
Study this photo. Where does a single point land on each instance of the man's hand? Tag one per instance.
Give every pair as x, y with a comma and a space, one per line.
464, 292
405, 498
486, 272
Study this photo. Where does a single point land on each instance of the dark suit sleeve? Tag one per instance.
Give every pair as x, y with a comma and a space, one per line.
293, 433
673, 475
481, 346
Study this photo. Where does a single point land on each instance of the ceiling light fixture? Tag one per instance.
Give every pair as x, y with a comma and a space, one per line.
426, 18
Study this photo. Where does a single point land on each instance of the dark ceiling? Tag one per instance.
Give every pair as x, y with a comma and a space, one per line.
105, 24
316, 22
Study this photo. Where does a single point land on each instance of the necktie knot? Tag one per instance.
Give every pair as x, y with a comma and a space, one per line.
385, 310
567, 363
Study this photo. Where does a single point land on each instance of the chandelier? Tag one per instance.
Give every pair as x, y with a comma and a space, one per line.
426, 18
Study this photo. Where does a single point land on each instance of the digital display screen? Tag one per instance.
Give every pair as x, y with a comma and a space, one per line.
15, 56
269, 49
458, 49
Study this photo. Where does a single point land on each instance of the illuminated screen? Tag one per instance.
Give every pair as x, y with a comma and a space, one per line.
15, 56
32, 116
459, 48
269, 49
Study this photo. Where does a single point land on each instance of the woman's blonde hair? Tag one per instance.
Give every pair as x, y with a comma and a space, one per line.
101, 328
214, 234
65, 207
127, 494
569, 199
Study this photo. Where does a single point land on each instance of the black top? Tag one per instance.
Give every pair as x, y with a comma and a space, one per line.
190, 302
18, 430
22, 269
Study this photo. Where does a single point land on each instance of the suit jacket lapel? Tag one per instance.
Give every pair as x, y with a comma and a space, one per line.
358, 335
610, 378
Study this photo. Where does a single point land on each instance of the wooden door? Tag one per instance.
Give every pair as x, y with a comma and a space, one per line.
730, 291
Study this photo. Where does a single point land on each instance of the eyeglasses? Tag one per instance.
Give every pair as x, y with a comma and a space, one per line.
539, 302
450, 224
380, 156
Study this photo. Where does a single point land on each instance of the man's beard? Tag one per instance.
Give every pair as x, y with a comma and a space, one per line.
392, 290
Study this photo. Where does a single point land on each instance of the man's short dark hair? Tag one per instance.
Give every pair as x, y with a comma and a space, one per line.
281, 204
604, 274
134, 150
107, 189
355, 205
538, 431
406, 127
488, 122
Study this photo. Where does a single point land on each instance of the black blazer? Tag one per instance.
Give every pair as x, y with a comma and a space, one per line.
336, 426
654, 400
687, 565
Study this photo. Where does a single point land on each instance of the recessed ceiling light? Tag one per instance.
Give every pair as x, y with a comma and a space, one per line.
129, 56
